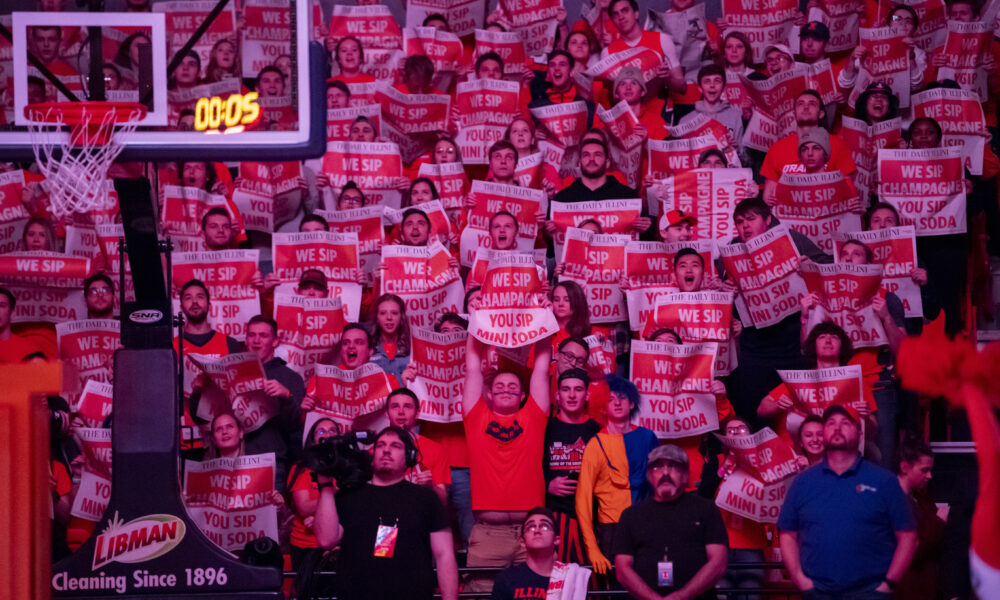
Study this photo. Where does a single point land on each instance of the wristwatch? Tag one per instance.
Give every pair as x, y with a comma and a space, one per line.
892, 583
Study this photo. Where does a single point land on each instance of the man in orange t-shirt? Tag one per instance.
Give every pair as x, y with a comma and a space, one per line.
505, 432
13, 348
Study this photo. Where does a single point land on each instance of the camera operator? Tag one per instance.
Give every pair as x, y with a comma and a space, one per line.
389, 530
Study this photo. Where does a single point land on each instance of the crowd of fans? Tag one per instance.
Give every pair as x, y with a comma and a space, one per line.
549, 460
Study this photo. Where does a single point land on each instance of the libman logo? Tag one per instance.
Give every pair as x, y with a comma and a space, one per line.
139, 540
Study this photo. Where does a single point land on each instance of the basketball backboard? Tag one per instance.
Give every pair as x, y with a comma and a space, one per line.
217, 84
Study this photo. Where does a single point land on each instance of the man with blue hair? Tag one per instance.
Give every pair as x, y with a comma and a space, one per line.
613, 470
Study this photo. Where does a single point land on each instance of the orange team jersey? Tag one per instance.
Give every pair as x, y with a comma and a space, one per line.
431, 458
654, 40
505, 457
451, 438
783, 157
744, 534
359, 78
302, 536
15, 348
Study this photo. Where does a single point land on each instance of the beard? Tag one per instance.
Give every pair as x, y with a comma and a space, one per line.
593, 174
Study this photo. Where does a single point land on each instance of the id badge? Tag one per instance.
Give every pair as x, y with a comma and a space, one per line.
665, 574
385, 541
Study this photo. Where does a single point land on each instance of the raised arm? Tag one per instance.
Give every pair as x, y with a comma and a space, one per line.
327, 525
539, 384
473, 390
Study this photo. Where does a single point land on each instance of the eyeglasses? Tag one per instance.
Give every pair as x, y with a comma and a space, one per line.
539, 526
737, 429
572, 358
332, 430
902, 19
99, 292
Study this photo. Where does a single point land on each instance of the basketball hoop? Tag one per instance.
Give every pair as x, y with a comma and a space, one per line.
75, 171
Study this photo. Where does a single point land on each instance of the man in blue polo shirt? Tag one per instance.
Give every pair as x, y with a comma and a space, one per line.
846, 527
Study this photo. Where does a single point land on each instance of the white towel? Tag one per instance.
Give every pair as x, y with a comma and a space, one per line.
568, 581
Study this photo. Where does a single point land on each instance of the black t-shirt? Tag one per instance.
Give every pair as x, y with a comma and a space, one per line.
564, 444
611, 190
682, 528
409, 572
520, 582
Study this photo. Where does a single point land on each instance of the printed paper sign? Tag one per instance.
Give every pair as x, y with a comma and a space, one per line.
227, 274
442, 47
450, 181
967, 48
762, 131
765, 22
565, 122
183, 208
308, 329
895, 249
961, 117
670, 157
345, 395
367, 223
887, 61
339, 120
241, 378
817, 205
13, 214
776, 95
48, 286
89, 345
675, 387
94, 493
614, 216
485, 107
265, 34
373, 166
647, 60
182, 19
95, 403
620, 121
841, 18
508, 44
927, 187
815, 389
231, 499
491, 198
765, 268
647, 264
373, 25
747, 497
708, 195
422, 276
477, 273
510, 313
597, 262
846, 291
463, 16
705, 316
932, 28
763, 455
414, 113
698, 125
864, 141
440, 362
523, 13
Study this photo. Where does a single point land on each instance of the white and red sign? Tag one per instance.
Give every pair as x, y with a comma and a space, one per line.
705, 316
423, 277
484, 107
675, 387
440, 362
962, 120
565, 122
895, 249
887, 61
508, 44
95, 403
345, 395
932, 26
614, 216
621, 122
373, 166
48, 286
183, 208
308, 328
763, 455
231, 499
183, 17
13, 214
367, 222
241, 378
491, 198
845, 292
967, 48
414, 113
841, 18
510, 312
265, 34
227, 274
765, 268
927, 187
813, 390
817, 205
339, 120
647, 60
597, 262
752, 499
764, 22
463, 16
373, 25
450, 181
94, 493
89, 345
670, 157
708, 195
442, 47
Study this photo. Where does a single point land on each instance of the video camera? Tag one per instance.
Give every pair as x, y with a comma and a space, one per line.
342, 458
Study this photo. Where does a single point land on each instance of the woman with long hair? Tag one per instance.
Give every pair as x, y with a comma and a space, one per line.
223, 61
569, 304
303, 497
391, 335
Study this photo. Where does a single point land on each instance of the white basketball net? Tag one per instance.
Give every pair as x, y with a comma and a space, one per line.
75, 171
